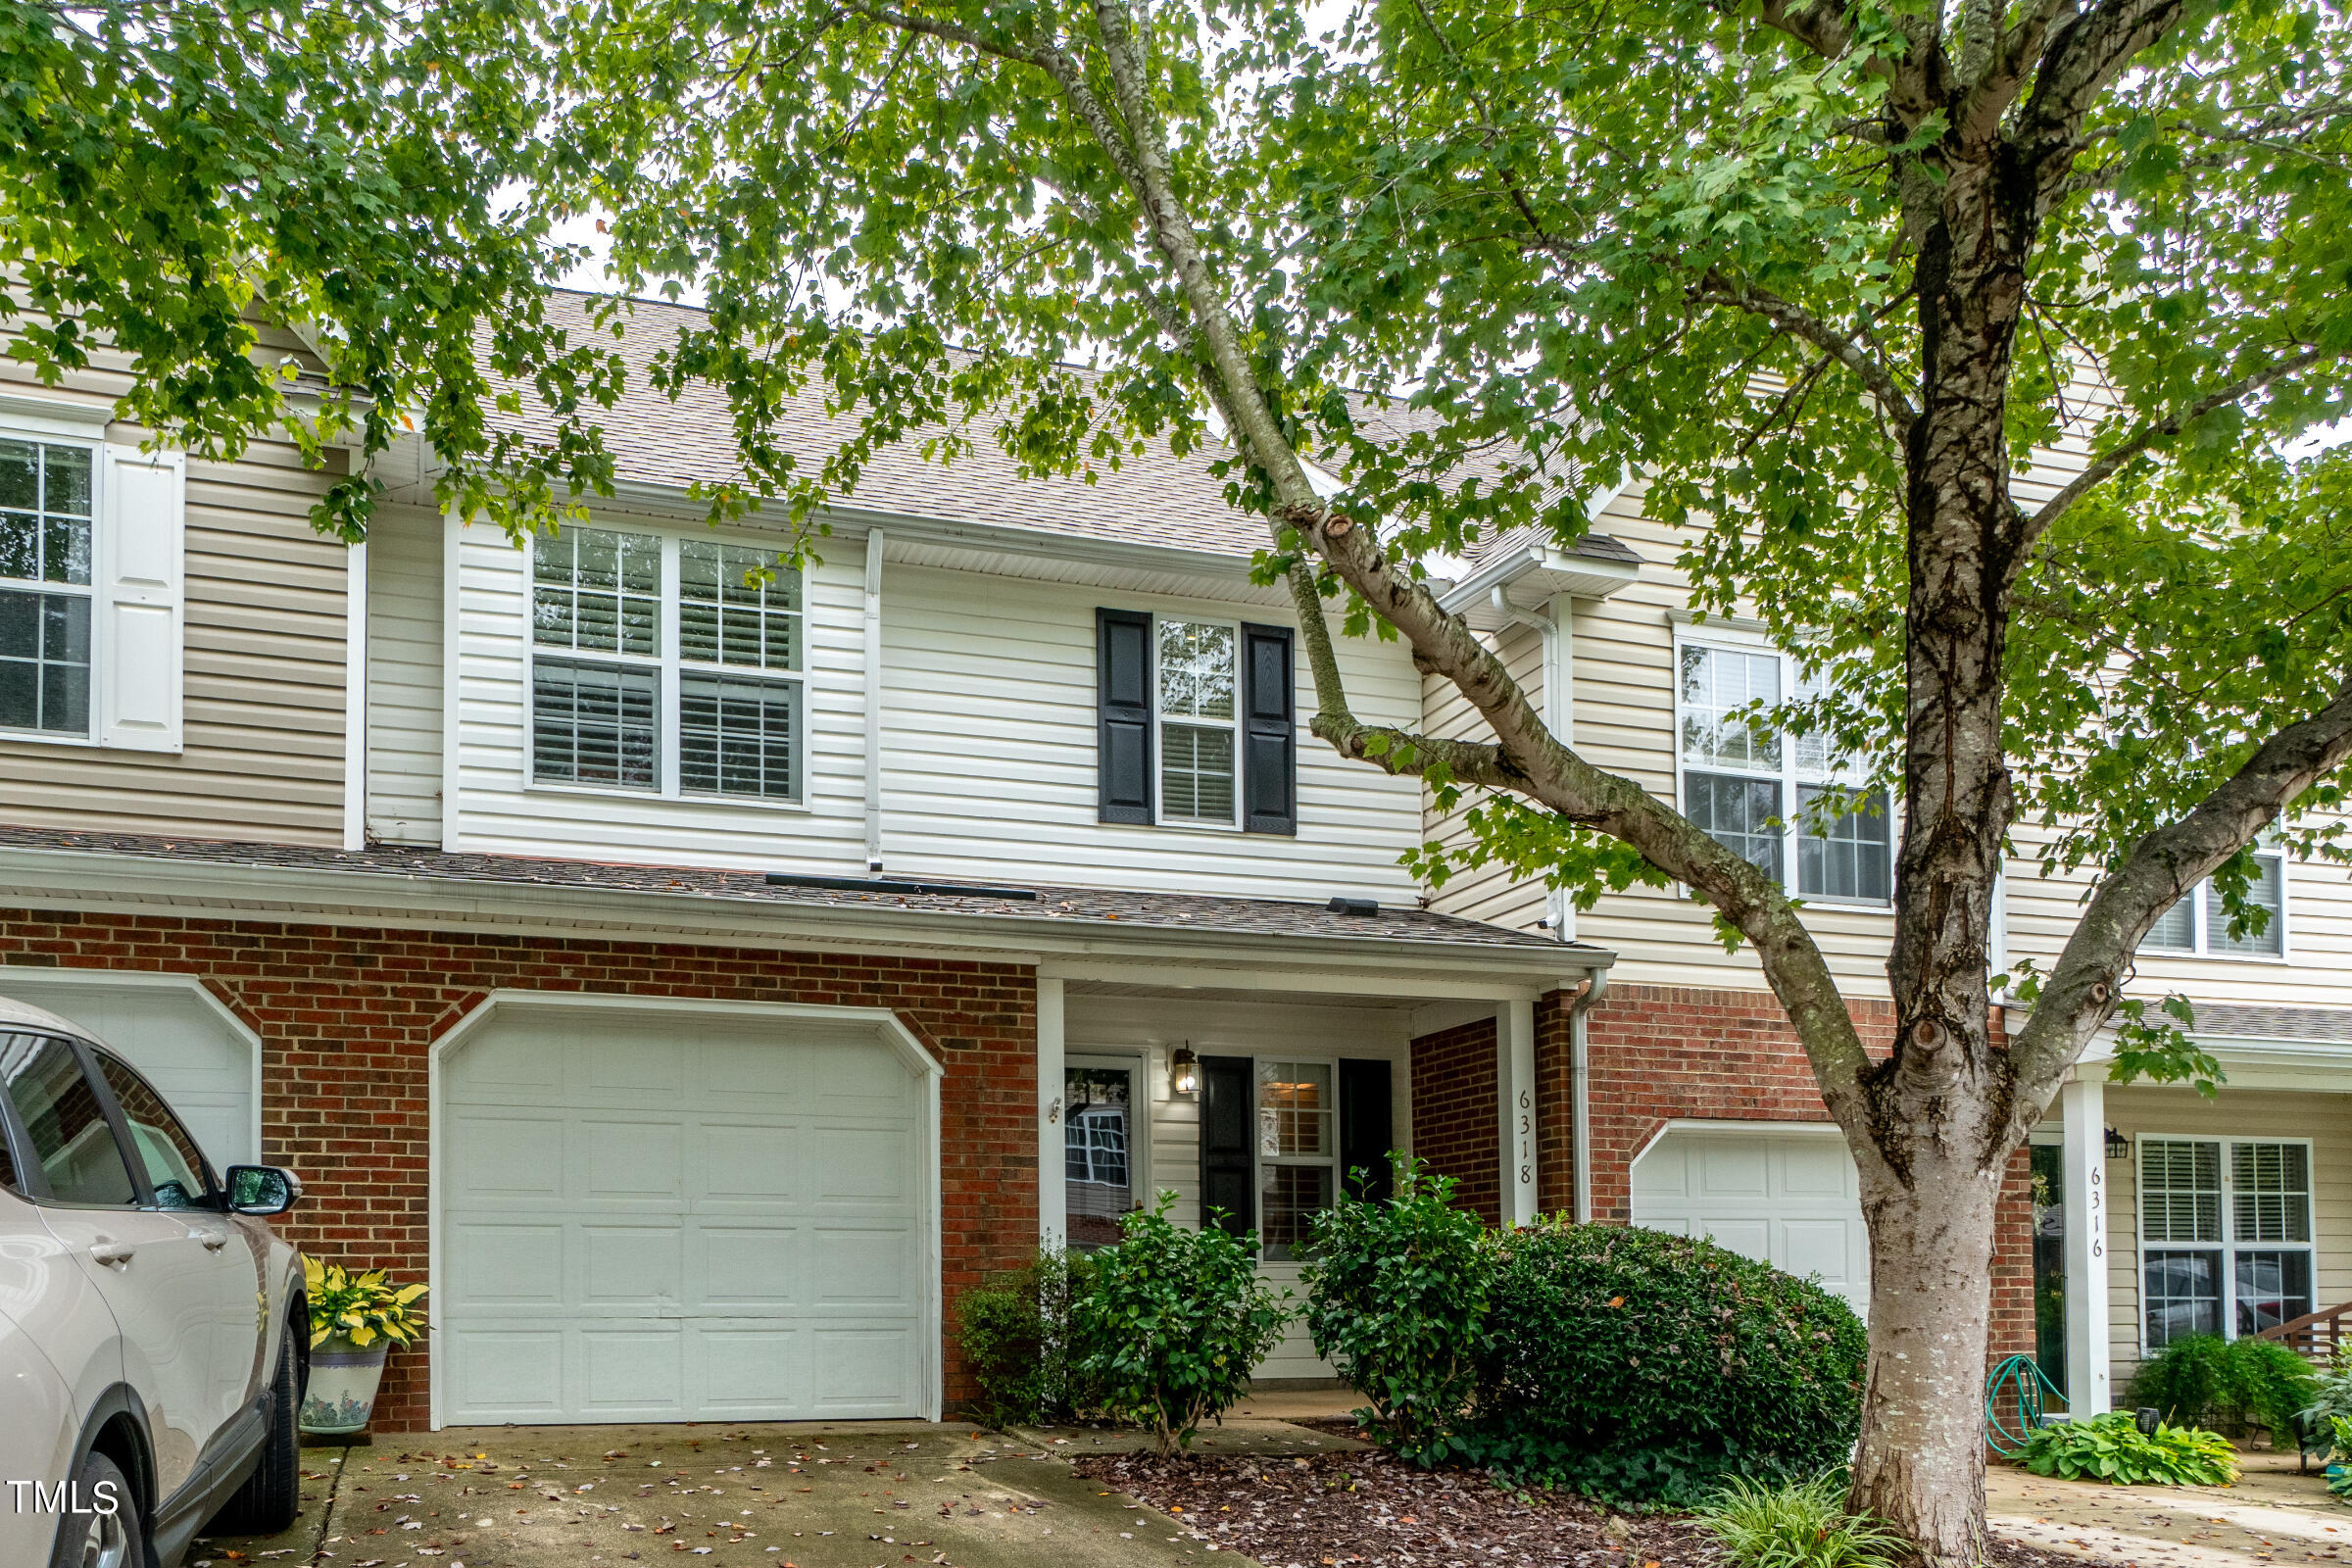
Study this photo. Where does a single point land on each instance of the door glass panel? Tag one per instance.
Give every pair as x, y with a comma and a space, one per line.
175, 1168
1097, 1132
2049, 1262
61, 1117
1289, 1198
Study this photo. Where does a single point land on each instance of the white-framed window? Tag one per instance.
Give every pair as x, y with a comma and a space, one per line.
1761, 794
48, 548
671, 666
1196, 681
2198, 926
2225, 1234
1297, 1150
1105, 1140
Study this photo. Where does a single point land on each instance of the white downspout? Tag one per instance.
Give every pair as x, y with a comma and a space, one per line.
873, 700
355, 696
1580, 1091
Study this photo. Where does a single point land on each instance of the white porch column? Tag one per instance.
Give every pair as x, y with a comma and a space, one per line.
2083, 1113
1053, 1195
1515, 1074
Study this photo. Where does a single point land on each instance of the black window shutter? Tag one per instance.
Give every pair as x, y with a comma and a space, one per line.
1365, 1132
1228, 1169
1269, 732
1123, 702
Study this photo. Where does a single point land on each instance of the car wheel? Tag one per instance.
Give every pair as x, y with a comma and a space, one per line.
271, 1499
87, 1538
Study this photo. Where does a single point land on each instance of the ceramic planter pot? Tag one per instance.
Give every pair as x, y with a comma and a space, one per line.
341, 1396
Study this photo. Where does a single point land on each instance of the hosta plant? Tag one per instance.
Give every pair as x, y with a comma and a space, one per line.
1797, 1525
2112, 1448
361, 1307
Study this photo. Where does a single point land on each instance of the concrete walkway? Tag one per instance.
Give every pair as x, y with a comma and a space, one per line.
2273, 1515
877, 1495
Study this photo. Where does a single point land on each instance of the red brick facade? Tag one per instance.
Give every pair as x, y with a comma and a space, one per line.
1456, 1112
347, 1018
1658, 1055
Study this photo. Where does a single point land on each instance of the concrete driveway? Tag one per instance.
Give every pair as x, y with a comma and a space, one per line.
878, 1495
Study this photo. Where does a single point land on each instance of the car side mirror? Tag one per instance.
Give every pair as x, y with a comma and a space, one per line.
262, 1189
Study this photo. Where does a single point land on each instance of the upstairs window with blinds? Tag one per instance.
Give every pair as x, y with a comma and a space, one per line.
664, 665
1197, 721
1772, 799
2198, 926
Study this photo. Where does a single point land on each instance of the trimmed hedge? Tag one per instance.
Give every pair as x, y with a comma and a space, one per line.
2202, 1380
1606, 1343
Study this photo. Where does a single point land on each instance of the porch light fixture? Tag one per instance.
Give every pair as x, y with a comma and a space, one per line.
1184, 1071
2117, 1145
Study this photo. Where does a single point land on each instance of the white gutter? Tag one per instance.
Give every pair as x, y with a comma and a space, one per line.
873, 700
94, 880
355, 696
1580, 1093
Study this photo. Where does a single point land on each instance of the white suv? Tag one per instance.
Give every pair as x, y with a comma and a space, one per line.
153, 1333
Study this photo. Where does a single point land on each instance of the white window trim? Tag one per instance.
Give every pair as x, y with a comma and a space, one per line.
1732, 639
15, 425
668, 661
1160, 720
2200, 900
1259, 1160
2228, 1245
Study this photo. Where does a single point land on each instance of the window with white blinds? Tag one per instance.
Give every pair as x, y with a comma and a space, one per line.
2226, 1235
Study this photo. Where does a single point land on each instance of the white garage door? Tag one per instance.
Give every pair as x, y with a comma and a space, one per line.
652, 1216
182, 1040
1788, 1199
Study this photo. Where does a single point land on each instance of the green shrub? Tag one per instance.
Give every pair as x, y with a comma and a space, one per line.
1797, 1525
2340, 1484
1616, 1341
2331, 1389
1172, 1323
2112, 1448
1396, 1299
1015, 1334
2227, 1385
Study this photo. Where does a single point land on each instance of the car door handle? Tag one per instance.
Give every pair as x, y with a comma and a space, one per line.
213, 1244
112, 1253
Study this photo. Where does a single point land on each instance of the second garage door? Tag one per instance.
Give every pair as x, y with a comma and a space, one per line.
1787, 1198
653, 1215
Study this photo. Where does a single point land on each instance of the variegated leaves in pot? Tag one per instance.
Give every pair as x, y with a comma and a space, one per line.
355, 1318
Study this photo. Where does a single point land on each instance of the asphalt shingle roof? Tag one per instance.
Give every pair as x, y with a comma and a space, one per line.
2220, 1020
1155, 498
1134, 910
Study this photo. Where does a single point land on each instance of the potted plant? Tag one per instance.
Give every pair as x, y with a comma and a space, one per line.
355, 1321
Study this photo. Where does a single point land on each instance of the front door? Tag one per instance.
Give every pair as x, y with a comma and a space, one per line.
1104, 1120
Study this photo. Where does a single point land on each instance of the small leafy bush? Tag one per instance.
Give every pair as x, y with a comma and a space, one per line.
1015, 1334
1604, 1340
1801, 1524
1173, 1322
360, 1307
2331, 1389
2340, 1484
2112, 1448
2228, 1385
1396, 1299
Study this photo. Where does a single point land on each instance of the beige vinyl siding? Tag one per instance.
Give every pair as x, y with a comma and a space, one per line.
2324, 1119
1150, 1027
263, 694
403, 679
990, 734
1488, 892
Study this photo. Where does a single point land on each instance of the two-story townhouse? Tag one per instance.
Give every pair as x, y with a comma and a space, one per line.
1681, 1099
698, 982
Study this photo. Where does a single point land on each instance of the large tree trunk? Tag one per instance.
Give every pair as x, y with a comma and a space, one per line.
1921, 1466
1935, 1123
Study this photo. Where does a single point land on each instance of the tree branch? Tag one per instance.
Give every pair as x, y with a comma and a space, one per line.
2085, 55
2087, 979
1715, 289
2108, 463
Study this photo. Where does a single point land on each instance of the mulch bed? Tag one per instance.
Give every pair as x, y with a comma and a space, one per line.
1368, 1510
